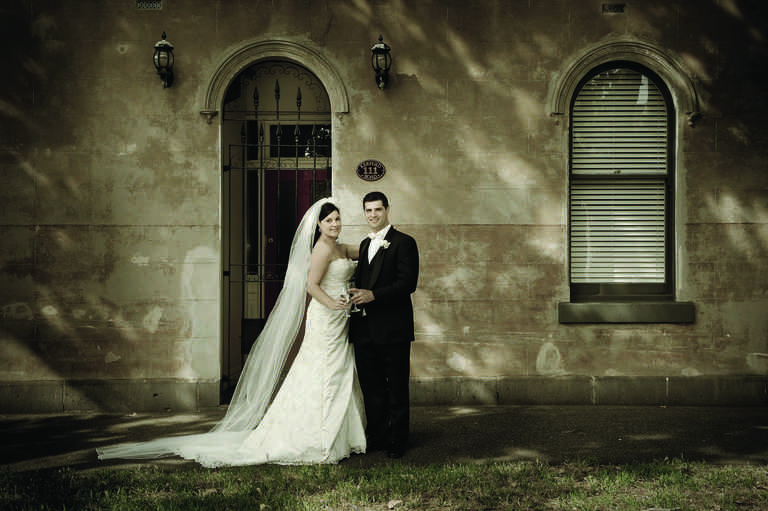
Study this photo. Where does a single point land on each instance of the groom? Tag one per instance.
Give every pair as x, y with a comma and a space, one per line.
387, 271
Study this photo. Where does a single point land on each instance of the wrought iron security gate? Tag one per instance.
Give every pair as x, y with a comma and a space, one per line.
276, 164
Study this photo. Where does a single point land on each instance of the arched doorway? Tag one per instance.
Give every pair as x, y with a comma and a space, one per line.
276, 146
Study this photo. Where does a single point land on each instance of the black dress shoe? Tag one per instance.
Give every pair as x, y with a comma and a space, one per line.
395, 453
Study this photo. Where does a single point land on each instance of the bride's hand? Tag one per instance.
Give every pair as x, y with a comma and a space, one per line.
341, 303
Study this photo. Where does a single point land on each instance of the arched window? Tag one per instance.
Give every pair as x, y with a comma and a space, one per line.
621, 214
625, 102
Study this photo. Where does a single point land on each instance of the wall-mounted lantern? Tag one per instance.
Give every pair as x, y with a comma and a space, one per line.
163, 60
381, 61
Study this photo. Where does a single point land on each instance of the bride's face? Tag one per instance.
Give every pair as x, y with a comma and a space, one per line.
330, 226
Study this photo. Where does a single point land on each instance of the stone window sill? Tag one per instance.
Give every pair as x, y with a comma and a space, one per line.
627, 312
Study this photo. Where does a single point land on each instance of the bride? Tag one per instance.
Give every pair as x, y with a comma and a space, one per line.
317, 415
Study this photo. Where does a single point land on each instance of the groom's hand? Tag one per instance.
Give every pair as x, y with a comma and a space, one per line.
360, 296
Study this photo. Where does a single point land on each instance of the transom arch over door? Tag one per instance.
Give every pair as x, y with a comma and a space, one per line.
252, 52
276, 143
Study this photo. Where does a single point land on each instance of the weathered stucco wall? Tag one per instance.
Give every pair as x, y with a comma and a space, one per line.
110, 202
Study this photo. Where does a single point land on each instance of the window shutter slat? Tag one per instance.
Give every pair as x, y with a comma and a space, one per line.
619, 126
619, 164
618, 231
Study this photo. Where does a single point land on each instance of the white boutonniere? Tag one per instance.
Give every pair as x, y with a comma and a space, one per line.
384, 244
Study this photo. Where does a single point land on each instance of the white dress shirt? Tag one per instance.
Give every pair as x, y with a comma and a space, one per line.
377, 240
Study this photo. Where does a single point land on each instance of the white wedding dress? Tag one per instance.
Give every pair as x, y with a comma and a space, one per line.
317, 416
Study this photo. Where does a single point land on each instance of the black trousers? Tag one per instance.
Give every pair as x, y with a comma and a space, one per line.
384, 371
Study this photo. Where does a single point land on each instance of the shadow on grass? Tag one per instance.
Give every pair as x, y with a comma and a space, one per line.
546, 434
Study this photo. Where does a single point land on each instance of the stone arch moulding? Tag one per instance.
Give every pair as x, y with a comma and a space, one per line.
669, 69
254, 51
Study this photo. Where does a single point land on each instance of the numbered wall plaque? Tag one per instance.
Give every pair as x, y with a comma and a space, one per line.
370, 170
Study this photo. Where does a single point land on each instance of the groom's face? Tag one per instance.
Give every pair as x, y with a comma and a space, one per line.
376, 215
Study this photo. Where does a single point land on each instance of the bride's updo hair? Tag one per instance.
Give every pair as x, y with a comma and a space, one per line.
325, 210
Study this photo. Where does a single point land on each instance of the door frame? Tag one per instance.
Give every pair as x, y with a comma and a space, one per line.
246, 54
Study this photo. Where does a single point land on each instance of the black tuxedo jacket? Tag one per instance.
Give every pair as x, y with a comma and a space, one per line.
392, 276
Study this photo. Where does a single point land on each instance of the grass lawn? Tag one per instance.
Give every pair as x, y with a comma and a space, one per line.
581, 485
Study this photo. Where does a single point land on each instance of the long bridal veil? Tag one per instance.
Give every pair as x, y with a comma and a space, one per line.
260, 376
